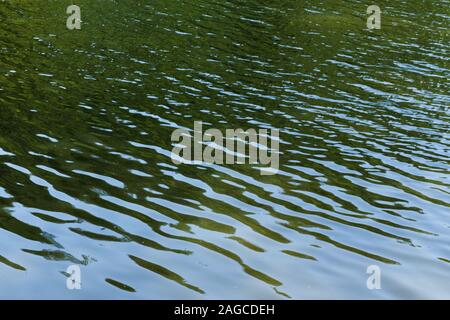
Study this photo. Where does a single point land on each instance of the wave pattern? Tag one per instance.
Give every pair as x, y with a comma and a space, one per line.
86, 176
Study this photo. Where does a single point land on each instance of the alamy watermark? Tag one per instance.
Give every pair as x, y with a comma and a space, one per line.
374, 19
74, 20
73, 281
234, 146
374, 280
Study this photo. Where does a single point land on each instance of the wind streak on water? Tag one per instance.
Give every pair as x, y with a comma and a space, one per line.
86, 176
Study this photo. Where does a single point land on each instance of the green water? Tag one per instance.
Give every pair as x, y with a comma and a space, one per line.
86, 176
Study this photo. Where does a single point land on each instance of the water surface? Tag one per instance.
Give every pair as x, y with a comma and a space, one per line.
86, 176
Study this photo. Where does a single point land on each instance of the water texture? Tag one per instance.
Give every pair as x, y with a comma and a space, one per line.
86, 176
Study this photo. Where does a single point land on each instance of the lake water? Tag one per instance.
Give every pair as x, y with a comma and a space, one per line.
86, 176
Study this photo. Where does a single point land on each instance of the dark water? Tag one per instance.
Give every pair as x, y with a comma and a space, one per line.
86, 176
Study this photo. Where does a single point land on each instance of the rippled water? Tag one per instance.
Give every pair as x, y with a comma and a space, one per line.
86, 176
